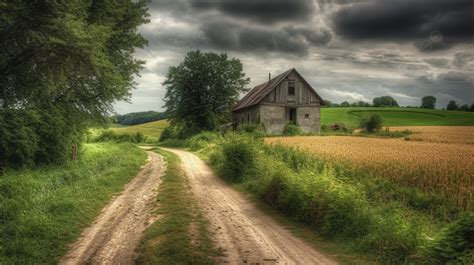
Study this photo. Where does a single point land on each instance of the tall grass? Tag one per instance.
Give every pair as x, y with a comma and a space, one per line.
371, 216
43, 210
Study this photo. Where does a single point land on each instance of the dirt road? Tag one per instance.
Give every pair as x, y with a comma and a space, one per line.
113, 236
245, 233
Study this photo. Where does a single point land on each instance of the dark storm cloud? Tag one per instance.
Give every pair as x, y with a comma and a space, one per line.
263, 11
430, 24
294, 40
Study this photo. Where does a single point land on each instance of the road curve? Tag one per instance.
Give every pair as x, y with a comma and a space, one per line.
246, 234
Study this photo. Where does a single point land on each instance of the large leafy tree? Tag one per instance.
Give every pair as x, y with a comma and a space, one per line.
202, 89
62, 65
452, 105
428, 102
69, 53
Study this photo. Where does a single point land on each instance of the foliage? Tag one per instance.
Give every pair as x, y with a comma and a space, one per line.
135, 118
292, 129
318, 195
202, 89
385, 101
256, 128
345, 104
181, 234
452, 105
373, 123
428, 102
76, 56
112, 136
464, 107
43, 210
471, 109
456, 245
36, 136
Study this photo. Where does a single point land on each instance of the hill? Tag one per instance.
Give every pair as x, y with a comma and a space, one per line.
150, 129
398, 116
135, 118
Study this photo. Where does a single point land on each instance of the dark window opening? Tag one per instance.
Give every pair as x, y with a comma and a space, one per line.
291, 88
306, 116
293, 115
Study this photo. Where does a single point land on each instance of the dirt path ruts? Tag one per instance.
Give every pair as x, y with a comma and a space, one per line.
115, 233
245, 233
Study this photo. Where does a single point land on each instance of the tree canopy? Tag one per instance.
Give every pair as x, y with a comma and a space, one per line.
202, 89
385, 101
428, 102
62, 65
452, 105
138, 117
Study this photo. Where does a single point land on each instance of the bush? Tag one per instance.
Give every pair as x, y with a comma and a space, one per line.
168, 133
371, 124
112, 136
255, 128
239, 156
292, 129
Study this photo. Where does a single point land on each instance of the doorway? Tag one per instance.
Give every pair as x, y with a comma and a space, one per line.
293, 115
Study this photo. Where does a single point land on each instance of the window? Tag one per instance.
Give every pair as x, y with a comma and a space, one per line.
306, 116
291, 88
292, 114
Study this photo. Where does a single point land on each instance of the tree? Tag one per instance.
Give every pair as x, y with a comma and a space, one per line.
464, 107
327, 103
372, 123
428, 102
201, 90
471, 109
385, 101
452, 105
73, 59
345, 104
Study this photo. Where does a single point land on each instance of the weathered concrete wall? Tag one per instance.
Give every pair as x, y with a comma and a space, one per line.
308, 118
273, 118
246, 116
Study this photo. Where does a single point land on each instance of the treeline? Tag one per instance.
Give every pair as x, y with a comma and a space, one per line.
135, 118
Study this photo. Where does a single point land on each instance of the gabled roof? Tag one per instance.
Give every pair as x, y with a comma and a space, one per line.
258, 93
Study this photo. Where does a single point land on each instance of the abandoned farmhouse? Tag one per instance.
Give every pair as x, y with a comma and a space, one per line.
286, 98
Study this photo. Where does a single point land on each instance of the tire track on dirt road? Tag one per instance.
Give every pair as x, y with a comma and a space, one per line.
245, 233
115, 233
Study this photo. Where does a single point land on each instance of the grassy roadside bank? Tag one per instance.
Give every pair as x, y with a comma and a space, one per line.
45, 209
180, 234
357, 211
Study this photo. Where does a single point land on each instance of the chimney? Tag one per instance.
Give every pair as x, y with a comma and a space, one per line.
269, 77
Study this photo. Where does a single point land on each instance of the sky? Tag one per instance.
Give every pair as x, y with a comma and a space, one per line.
348, 50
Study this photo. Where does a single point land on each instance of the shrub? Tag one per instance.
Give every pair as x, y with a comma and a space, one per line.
292, 129
109, 135
239, 156
372, 123
256, 128
167, 133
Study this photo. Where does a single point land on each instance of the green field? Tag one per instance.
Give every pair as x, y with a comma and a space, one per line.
398, 116
150, 129
43, 210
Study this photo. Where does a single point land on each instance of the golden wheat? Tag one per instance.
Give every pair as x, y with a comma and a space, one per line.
440, 134
435, 167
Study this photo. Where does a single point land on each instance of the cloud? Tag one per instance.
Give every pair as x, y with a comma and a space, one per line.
429, 24
262, 11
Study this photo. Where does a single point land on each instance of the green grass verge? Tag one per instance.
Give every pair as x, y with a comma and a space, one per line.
398, 116
180, 235
45, 209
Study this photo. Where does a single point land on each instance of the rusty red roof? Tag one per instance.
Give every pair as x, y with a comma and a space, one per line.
258, 93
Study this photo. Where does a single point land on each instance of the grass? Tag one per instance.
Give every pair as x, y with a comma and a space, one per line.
151, 130
398, 116
354, 209
45, 209
180, 234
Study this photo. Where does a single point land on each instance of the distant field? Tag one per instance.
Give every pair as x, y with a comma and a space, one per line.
398, 116
151, 129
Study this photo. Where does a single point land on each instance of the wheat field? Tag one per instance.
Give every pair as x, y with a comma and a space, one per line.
446, 168
440, 134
